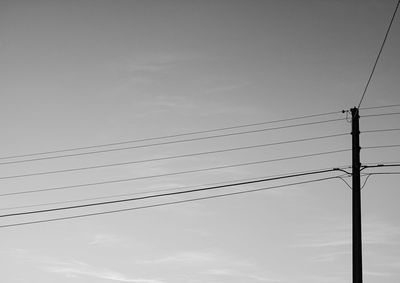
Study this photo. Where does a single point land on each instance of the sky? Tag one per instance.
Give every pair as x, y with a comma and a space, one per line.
82, 73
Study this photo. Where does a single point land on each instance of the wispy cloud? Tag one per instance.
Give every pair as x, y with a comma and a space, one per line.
227, 88
78, 268
173, 101
377, 274
246, 275
190, 257
326, 279
216, 265
75, 268
381, 232
374, 233
155, 62
389, 262
203, 259
145, 69
105, 240
329, 257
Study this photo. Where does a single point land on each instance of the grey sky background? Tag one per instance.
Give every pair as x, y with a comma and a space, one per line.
80, 73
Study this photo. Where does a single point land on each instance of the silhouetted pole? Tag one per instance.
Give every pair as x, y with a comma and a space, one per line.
356, 189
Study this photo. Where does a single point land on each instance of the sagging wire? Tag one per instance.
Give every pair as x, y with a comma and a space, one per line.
365, 181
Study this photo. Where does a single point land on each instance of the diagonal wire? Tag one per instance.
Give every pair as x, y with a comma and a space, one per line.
161, 175
164, 143
342, 178
378, 115
385, 173
365, 181
117, 181
378, 173
380, 107
380, 130
380, 165
190, 171
184, 155
182, 135
379, 53
161, 204
162, 194
381, 146
144, 192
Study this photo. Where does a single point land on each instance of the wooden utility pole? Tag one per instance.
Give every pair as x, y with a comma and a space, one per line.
356, 191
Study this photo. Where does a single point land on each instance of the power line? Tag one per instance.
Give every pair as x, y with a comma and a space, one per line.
344, 181
384, 173
380, 107
172, 136
381, 146
378, 173
382, 114
177, 135
176, 173
379, 54
365, 181
187, 155
162, 204
168, 189
384, 163
379, 165
166, 143
380, 130
161, 195
175, 202
172, 157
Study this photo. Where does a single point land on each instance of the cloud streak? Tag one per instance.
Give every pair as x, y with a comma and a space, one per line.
247, 275
215, 265
183, 257
154, 63
374, 233
105, 240
75, 268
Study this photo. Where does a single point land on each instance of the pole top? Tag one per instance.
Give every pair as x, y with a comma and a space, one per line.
354, 111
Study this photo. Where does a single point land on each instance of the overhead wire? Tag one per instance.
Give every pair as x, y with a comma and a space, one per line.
381, 114
344, 181
384, 173
365, 181
166, 143
180, 156
188, 155
163, 175
174, 202
178, 135
144, 192
381, 165
172, 136
161, 204
379, 53
380, 107
380, 130
381, 146
223, 150
175, 173
377, 173
163, 194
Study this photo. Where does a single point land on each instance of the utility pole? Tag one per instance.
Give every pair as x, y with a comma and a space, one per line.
356, 191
